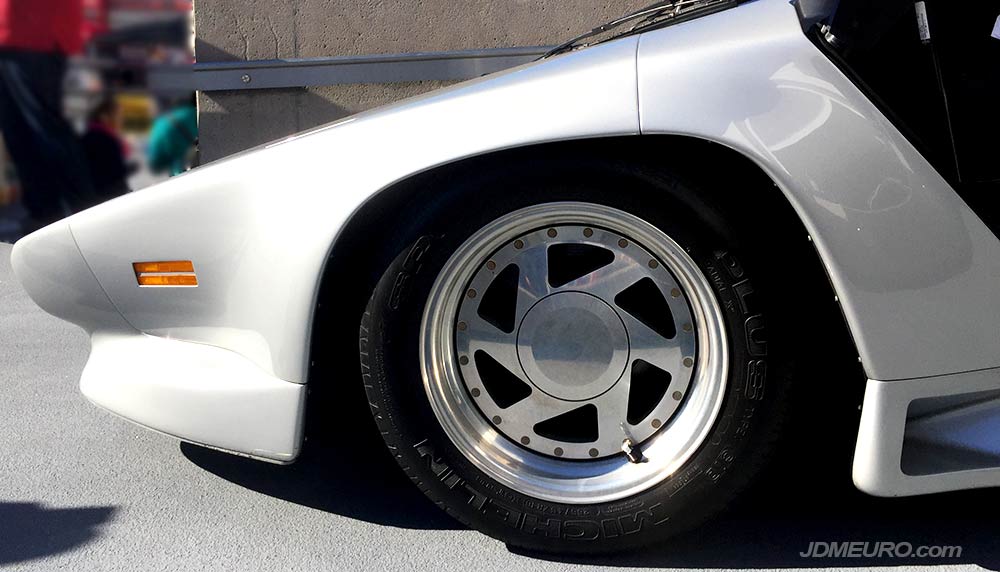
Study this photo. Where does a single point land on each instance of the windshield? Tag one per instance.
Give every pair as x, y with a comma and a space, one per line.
656, 15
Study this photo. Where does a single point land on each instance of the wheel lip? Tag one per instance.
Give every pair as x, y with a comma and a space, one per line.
539, 476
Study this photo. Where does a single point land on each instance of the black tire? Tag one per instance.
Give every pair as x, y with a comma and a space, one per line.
740, 440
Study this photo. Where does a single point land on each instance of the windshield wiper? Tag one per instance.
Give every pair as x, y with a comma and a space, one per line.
660, 13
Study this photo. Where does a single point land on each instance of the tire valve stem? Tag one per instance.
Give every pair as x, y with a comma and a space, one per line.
632, 451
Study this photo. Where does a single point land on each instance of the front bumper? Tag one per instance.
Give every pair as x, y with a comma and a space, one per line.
195, 392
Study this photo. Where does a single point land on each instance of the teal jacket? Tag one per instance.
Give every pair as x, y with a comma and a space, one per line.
173, 135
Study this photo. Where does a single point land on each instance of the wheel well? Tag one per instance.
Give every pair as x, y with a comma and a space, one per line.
374, 236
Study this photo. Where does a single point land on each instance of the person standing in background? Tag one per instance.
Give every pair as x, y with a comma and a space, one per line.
35, 38
173, 139
107, 153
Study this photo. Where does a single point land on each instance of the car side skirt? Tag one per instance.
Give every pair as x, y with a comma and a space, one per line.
929, 435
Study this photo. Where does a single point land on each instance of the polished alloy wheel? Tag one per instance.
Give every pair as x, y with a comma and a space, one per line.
574, 353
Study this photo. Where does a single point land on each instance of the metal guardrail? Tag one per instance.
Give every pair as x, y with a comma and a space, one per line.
389, 68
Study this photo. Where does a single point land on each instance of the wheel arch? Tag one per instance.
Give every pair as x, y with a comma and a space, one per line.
364, 248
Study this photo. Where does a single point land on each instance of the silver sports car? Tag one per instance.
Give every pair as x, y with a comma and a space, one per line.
586, 287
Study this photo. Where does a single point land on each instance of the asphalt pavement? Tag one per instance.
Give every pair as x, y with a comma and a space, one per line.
83, 490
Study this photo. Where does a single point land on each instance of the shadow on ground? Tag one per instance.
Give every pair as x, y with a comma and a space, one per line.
805, 496
355, 477
768, 530
361, 483
798, 502
31, 530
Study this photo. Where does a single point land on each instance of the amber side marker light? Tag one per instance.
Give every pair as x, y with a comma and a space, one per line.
170, 273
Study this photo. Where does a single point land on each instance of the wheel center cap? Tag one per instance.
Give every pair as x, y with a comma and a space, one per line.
572, 346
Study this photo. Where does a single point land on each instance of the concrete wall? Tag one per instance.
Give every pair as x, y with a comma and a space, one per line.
234, 30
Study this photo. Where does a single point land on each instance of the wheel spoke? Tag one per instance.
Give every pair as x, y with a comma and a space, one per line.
650, 346
537, 408
501, 346
533, 283
606, 282
612, 408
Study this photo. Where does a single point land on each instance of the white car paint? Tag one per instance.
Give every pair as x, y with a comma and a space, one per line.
915, 270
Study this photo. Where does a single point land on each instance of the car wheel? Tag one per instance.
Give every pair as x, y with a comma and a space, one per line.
578, 376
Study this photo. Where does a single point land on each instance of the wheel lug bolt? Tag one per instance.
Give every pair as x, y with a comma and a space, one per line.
471, 293
675, 293
464, 360
588, 232
475, 392
552, 233
656, 423
653, 264
519, 244
525, 440
491, 265
558, 452
678, 395
623, 243
497, 420
688, 362
593, 452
